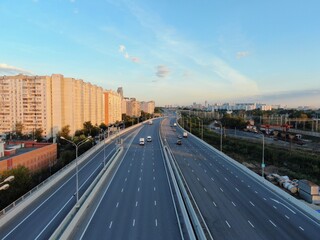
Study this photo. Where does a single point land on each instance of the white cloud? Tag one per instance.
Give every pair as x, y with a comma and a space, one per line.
162, 71
7, 69
122, 48
242, 54
239, 82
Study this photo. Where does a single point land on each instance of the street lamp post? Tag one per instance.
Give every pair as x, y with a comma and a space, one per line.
5, 185
77, 148
220, 134
262, 164
201, 127
220, 137
104, 145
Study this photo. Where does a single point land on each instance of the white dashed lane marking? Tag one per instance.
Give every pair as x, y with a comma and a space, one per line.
273, 223
228, 224
250, 224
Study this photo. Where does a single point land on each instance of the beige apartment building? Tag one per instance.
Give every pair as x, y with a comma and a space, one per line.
49, 103
132, 107
148, 107
112, 107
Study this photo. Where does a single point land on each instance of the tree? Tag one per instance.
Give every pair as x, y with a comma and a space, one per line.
65, 132
38, 134
21, 184
95, 131
103, 126
19, 129
87, 128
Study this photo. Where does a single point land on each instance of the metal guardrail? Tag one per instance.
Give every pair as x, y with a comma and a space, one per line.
83, 202
49, 182
180, 203
189, 203
44, 183
263, 182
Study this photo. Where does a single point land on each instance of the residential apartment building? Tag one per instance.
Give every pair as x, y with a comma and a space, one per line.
133, 108
148, 107
113, 102
49, 103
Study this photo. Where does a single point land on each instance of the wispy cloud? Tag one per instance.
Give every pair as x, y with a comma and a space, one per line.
122, 50
237, 80
242, 54
6, 69
162, 71
179, 53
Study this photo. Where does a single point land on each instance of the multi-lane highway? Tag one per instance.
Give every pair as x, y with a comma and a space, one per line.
233, 204
40, 219
137, 203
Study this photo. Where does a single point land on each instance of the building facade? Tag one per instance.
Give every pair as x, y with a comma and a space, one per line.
49, 103
112, 107
148, 107
39, 157
133, 108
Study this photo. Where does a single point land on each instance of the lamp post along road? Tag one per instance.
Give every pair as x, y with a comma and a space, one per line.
262, 164
77, 148
5, 185
104, 145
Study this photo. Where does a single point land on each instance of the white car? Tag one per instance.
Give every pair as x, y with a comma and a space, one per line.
149, 139
141, 141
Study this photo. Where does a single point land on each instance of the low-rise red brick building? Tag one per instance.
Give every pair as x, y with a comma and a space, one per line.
35, 156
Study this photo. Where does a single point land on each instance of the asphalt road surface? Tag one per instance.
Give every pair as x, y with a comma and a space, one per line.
234, 205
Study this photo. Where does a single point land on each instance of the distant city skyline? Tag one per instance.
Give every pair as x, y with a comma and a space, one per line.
172, 52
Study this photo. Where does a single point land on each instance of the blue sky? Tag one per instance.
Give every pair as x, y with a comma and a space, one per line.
173, 52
